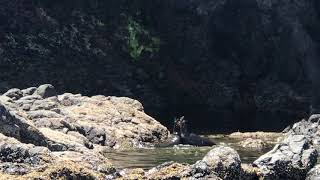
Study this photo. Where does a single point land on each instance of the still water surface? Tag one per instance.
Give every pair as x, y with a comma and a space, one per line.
148, 158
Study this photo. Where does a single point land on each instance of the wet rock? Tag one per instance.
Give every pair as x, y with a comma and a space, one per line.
255, 135
225, 161
132, 174
249, 172
46, 90
256, 144
14, 94
314, 173
290, 159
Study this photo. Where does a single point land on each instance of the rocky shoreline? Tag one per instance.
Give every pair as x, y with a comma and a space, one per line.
48, 136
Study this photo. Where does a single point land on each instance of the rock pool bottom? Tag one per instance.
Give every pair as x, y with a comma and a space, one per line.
148, 158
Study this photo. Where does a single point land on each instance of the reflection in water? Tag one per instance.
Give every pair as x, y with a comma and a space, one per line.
148, 158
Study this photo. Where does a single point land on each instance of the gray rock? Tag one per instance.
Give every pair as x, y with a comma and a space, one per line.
28, 91
314, 173
52, 123
46, 90
42, 114
18, 127
14, 94
225, 161
19, 158
290, 159
309, 128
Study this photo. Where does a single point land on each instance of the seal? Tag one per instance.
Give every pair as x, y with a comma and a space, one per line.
191, 138
181, 135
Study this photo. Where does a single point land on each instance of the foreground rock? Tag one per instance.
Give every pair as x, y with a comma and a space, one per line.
30, 161
290, 159
220, 163
225, 161
309, 128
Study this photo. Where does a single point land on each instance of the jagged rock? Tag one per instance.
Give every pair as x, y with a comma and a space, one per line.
29, 91
290, 159
19, 158
14, 94
309, 128
225, 161
20, 128
46, 90
314, 173
63, 170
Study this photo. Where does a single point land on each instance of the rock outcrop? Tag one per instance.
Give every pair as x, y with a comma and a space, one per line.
290, 159
69, 121
51, 136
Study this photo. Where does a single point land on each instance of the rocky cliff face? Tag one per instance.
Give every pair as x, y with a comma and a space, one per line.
232, 64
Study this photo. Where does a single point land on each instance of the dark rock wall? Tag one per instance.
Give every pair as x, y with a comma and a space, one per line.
224, 64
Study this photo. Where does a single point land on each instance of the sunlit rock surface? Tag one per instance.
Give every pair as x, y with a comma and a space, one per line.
290, 159
74, 121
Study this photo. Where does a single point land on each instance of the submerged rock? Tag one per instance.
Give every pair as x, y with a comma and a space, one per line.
256, 144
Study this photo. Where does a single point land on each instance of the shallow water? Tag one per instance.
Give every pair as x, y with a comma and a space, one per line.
148, 158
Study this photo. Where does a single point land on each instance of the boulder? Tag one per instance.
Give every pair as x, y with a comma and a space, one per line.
46, 90
290, 159
309, 128
225, 161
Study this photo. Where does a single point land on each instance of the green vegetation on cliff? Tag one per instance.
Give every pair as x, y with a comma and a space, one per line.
140, 42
